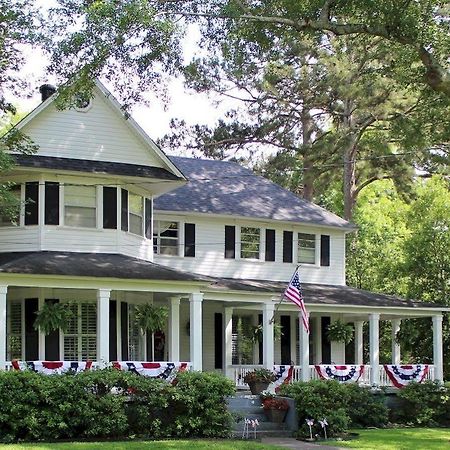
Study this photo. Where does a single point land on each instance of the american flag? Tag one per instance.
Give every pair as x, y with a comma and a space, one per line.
294, 293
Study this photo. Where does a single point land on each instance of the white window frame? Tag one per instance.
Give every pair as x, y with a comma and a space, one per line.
157, 236
65, 206
260, 243
141, 233
316, 248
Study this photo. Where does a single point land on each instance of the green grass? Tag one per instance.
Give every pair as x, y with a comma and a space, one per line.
399, 439
137, 445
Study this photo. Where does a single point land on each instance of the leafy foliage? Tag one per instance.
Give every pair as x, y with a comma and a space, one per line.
151, 318
340, 332
259, 376
52, 317
111, 404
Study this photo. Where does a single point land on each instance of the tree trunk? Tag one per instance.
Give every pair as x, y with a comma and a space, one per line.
308, 177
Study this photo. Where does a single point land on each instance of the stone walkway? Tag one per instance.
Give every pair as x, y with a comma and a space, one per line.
294, 444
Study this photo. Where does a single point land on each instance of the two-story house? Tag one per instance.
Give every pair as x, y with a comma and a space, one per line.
108, 222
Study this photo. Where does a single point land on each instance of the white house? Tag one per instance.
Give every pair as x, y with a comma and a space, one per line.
109, 222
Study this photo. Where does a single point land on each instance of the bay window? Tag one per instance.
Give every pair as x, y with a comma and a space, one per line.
80, 206
136, 213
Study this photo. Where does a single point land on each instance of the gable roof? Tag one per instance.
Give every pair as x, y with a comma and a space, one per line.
226, 188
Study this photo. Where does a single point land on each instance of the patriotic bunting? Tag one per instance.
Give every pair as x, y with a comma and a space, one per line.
343, 374
163, 370
403, 375
284, 376
53, 367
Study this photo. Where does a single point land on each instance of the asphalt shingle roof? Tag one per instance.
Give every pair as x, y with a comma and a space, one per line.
226, 188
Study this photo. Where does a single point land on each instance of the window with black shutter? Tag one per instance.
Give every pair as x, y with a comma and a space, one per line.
189, 239
230, 241
32, 203
51, 203
270, 245
324, 250
110, 208
124, 210
287, 246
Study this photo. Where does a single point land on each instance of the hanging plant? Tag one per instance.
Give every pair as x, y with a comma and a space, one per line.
151, 318
340, 332
258, 332
52, 317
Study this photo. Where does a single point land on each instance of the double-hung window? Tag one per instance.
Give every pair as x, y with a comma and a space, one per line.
306, 248
80, 206
166, 238
136, 213
250, 242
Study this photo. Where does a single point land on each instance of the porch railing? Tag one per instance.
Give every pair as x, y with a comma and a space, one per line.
237, 374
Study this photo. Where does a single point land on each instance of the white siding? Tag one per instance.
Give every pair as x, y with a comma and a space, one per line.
209, 255
19, 239
97, 134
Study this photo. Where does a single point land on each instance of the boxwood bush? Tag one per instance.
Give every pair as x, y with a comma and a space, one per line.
112, 404
343, 405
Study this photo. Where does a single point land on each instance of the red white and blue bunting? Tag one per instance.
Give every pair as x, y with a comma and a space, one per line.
284, 376
403, 375
343, 374
163, 370
52, 367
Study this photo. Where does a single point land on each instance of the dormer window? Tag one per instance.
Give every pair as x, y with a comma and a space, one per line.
80, 206
306, 248
250, 242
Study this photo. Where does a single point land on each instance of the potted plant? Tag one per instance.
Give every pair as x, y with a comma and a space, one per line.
258, 332
53, 316
340, 332
259, 379
275, 408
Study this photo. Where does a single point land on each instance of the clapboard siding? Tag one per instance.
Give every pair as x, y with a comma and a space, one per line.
209, 257
19, 239
98, 134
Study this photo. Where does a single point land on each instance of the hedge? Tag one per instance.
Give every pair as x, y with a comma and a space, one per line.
112, 404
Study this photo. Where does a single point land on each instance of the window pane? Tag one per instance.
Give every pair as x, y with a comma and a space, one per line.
306, 248
250, 241
80, 217
80, 206
135, 224
165, 238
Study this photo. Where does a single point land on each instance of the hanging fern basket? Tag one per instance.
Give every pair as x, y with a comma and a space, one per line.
340, 332
52, 317
150, 318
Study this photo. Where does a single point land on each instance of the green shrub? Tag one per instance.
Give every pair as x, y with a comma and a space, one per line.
425, 404
110, 403
343, 405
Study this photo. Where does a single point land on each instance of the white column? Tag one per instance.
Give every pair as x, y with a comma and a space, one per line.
196, 324
359, 342
103, 326
304, 350
374, 335
268, 340
174, 329
228, 345
396, 355
318, 339
437, 348
3, 292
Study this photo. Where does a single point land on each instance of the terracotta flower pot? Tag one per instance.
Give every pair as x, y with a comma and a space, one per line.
256, 387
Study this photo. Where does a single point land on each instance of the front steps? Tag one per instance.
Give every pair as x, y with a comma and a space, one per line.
245, 405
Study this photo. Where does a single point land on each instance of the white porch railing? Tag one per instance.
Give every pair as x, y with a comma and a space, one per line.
238, 372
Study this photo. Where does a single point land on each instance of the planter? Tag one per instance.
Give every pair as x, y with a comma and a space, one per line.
275, 415
256, 387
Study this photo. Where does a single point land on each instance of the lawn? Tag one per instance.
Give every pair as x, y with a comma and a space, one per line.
137, 445
399, 439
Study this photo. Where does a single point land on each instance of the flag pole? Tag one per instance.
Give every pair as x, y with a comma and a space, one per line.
272, 320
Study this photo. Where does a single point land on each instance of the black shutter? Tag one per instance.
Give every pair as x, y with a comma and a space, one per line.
287, 246
218, 341
31, 334
124, 330
189, 239
113, 330
110, 207
148, 218
326, 345
124, 211
285, 340
51, 203
270, 245
52, 340
324, 250
230, 241
31, 203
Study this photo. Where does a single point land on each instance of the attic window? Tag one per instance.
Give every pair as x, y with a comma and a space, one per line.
82, 103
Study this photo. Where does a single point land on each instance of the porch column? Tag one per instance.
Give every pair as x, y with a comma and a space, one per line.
196, 324
228, 341
396, 355
174, 329
359, 342
304, 350
3, 292
437, 348
103, 326
268, 340
374, 336
41, 335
